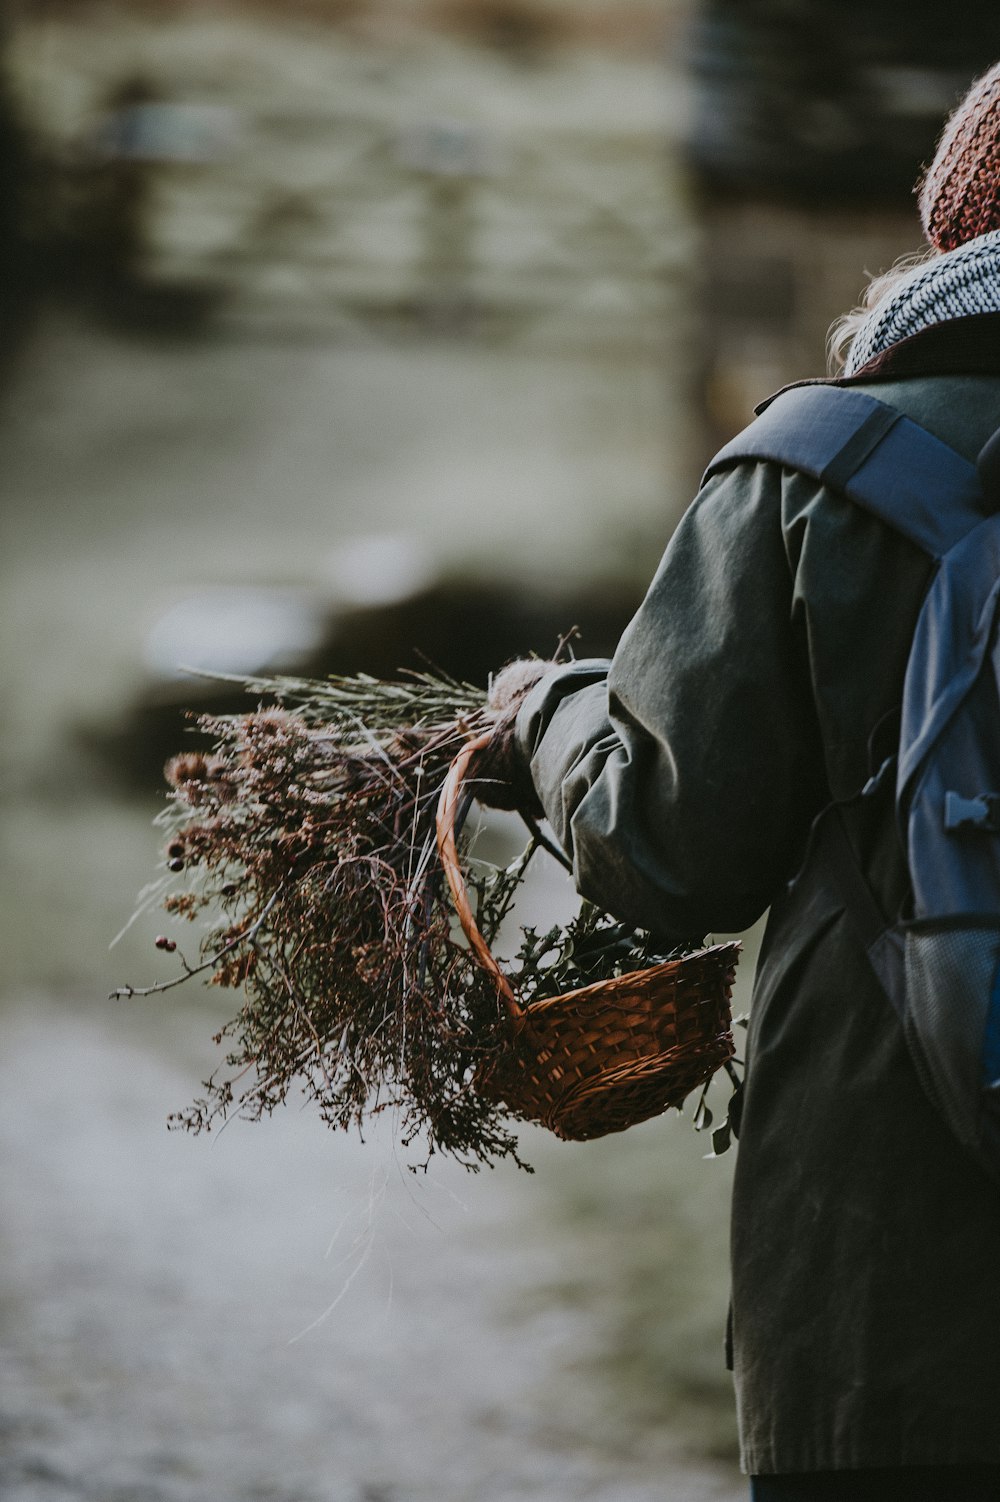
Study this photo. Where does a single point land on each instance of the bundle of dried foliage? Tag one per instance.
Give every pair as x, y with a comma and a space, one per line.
303, 846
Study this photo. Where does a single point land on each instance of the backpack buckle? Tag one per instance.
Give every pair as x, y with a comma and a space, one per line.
982, 813
878, 779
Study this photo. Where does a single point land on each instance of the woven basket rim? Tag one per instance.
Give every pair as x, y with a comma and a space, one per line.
728, 949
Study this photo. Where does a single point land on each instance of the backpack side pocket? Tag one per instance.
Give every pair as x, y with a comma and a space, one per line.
951, 1012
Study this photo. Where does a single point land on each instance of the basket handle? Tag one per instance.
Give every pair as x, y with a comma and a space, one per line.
448, 805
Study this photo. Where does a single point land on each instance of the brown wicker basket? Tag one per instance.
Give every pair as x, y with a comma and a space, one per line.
605, 1056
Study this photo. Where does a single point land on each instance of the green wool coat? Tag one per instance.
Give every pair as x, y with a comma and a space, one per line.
753, 686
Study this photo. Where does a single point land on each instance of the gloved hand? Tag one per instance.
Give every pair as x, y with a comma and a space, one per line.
499, 773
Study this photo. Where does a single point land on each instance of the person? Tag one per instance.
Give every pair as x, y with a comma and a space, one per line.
760, 681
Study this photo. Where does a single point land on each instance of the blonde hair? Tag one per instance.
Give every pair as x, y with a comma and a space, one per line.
880, 289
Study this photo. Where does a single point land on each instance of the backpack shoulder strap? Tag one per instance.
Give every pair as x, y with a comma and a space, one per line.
871, 453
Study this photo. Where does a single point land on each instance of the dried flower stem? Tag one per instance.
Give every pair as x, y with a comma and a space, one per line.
306, 837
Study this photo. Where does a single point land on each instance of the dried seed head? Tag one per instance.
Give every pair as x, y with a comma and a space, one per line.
187, 766
271, 722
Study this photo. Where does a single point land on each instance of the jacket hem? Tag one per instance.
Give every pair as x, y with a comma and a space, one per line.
768, 1461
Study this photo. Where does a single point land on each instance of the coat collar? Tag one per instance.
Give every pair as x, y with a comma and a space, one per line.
959, 346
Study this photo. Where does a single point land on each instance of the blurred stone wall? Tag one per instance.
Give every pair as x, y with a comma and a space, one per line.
325, 166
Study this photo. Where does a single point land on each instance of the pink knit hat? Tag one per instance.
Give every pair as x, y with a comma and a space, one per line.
959, 195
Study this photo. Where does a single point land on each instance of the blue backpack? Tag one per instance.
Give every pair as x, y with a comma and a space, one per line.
940, 966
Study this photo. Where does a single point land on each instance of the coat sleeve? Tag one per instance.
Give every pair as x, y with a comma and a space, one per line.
681, 777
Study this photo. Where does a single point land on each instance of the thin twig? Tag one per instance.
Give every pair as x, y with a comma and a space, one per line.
208, 964
549, 846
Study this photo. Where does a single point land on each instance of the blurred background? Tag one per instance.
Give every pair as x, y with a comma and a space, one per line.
335, 331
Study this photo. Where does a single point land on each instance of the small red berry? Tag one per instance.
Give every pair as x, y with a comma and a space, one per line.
176, 864
162, 942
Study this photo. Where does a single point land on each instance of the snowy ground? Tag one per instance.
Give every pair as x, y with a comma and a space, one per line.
282, 1314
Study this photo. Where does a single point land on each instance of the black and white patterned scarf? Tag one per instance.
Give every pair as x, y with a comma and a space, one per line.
964, 281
